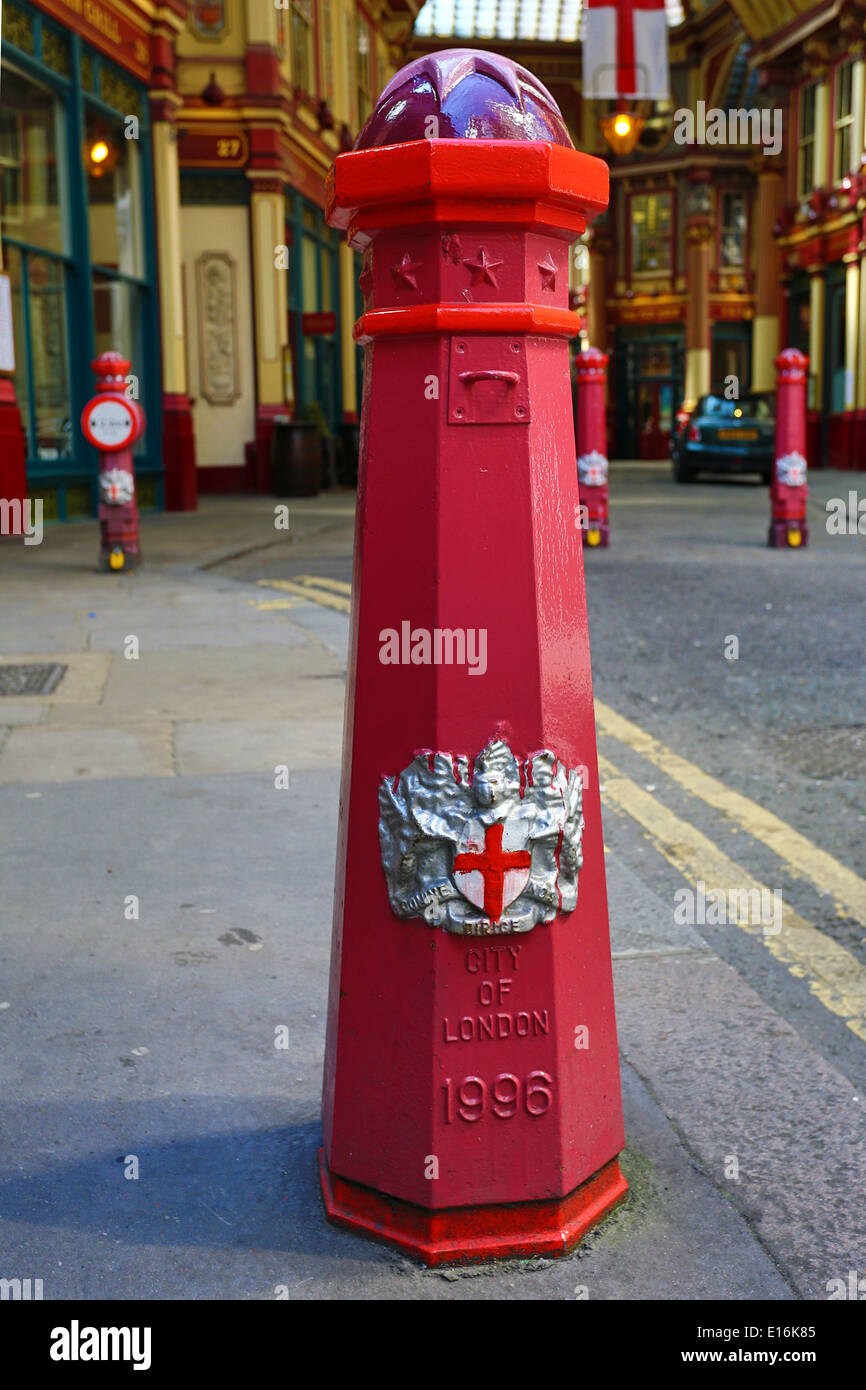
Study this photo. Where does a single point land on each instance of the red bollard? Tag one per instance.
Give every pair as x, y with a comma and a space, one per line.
592, 467
471, 1095
789, 490
111, 422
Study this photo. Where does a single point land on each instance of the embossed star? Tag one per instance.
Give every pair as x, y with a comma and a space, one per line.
405, 271
548, 273
482, 269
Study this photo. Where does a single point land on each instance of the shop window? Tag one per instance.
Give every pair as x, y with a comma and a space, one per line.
117, 92
78, 500
650, 233
50, 503
843, 120
733, 231
67, 187
806, 141
87, 73
50, 366
17, 28
302, 44
55, 51
113, 197
32, 196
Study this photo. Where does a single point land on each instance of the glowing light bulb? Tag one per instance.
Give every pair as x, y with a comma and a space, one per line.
99, 152
622, 124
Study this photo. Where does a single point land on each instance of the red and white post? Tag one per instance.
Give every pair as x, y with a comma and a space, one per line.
112, 423
592, 464
789, 489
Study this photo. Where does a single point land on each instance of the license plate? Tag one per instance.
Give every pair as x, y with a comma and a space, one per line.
739, 436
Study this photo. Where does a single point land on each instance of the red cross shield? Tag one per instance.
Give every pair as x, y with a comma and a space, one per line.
492, 865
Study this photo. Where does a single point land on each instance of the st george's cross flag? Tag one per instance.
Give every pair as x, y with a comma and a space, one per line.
625, 49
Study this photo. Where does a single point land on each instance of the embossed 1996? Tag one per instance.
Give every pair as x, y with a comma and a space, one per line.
472, 1098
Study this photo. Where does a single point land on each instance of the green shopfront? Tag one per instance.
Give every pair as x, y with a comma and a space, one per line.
78, 243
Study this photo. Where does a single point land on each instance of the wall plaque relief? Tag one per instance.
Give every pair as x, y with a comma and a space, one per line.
216, 274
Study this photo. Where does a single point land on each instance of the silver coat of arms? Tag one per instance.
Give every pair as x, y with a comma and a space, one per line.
116, 486
487, 852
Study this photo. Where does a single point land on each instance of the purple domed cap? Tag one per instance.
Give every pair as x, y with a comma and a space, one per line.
472, 95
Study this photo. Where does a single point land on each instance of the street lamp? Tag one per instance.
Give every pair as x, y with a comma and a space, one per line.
621, 129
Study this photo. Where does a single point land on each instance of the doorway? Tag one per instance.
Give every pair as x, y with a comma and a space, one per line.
649, 387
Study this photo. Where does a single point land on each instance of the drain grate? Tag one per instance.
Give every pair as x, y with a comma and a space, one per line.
31, 680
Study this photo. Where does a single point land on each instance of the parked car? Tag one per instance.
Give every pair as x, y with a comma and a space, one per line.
722, 436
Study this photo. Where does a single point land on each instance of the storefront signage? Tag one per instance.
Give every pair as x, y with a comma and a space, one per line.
100, 24
315, 324
213, 149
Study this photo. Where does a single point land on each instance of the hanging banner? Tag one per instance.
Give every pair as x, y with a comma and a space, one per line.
625, 49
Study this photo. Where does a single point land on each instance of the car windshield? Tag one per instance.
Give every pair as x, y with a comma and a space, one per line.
746, 408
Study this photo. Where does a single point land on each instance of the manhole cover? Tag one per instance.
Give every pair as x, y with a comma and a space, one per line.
31, 680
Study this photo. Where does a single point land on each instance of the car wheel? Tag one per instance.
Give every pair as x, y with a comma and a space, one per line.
682, 471
766, 476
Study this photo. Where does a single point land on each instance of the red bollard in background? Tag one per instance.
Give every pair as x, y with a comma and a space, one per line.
789, 490
592, 466
112, 423
471, 1102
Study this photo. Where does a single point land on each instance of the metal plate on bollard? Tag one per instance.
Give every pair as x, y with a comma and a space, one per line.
488, 382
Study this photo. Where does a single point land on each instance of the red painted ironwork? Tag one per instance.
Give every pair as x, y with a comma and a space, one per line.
789, 489
471, 1100
591, 376
112, 422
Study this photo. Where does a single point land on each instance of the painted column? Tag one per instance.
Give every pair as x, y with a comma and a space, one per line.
699, 240
471, 1102
817, 302
270, 299
348, 350
270, 269
178, 438
766, 205
853, 351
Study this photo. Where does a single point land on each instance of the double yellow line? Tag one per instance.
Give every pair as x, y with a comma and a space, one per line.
832, 973
331, 593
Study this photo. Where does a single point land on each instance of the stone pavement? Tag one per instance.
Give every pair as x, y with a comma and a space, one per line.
165, 909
